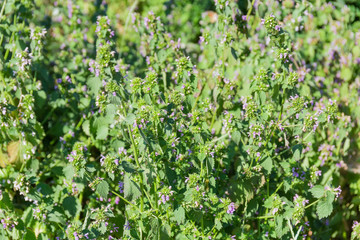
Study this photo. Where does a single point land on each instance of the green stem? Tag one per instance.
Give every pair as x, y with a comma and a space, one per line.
250, 9
202, 226
5, 92
277, 189
164, 80
291, 230
47, 116
126, 201
138, 165
261, 217
213, 119
80, 200
297, 125
271, 134
79, 124
308, 135
297, 234
197, 99
312, 203
11, 39
2, 9
217, 139
129, 13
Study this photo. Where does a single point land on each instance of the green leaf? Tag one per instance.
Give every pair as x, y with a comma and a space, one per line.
201, 156
162, 54
130, 118
346, 145
267, 164
269, 202
94, 84
29, 235
165, 232
100, 128
71, 206
262, 97
27, 216
325, 207
279, 226
317, 191
211, 163
236, 136
131, 189
40, 98
102, 189
346, 73
102, 132
179, 214
69, 172
218, 224
90, 168
234, 54
56, 217
115, 100
198, 138
86, 127
128, 167
297, 151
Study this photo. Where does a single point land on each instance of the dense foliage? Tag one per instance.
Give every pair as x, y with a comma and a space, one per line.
179, 119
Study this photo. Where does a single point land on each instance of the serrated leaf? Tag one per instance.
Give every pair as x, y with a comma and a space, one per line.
86, 127
324, 208
262, 97
90, 168
211, 163
102, 132
317, 191
69, 172
267, 164
279, 226
29, 235
128, 167
297, 151
100, 128
131, 189
201, 156
13, 151
94, 84
269, 202
346, 73
236, 136
179, 214
115, 100
56, 217
218, 224
102, 189
130, 118
71, 206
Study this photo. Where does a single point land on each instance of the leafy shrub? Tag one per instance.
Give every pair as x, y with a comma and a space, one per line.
179, 119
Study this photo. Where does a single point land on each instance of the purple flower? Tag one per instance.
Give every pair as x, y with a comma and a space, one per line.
121, 186
231, 208
337, 191
127, 225
295, 174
